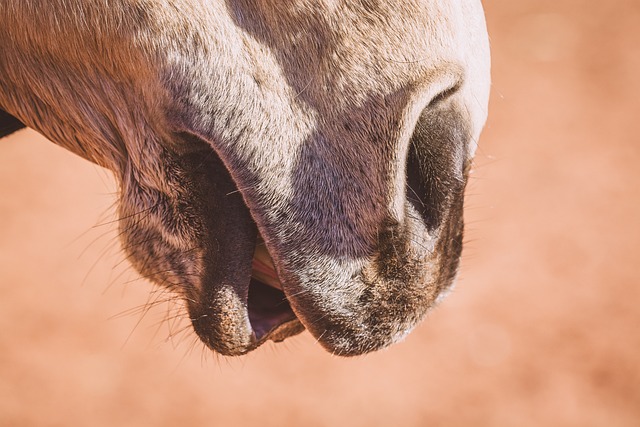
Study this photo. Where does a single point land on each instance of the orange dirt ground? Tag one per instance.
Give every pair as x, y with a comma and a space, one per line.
543, 328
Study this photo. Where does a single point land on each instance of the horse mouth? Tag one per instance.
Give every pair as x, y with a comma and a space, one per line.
269, 311
234, 318
233, 294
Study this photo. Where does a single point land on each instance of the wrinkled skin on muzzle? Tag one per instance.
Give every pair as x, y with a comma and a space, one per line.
338, 136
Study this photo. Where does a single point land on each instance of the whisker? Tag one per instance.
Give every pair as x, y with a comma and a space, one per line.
125, 217
144, 312
303, 89
99, 258
239, 190
417, 196
139, 309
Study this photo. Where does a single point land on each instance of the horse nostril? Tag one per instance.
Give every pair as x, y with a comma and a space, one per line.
421, 191
436, 162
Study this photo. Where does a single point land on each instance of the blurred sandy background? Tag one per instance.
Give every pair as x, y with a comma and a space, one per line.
542, 330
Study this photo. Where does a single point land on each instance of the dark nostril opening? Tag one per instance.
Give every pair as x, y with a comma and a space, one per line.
421, 190
436, 162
